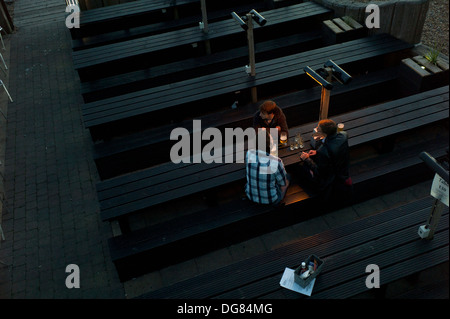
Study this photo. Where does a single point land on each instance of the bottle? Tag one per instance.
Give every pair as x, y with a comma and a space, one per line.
303, 268
305, 274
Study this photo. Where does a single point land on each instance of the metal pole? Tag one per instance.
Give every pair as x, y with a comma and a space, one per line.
435, 216
324, 103
205, 27
251, 54
204, 16
251, 44
2, 84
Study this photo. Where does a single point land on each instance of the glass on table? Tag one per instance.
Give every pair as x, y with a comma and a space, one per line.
283, 138
298, 141
292, 144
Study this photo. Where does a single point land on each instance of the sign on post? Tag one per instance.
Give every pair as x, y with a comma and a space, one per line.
439, 189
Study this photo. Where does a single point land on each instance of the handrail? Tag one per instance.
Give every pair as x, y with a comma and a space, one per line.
434, 165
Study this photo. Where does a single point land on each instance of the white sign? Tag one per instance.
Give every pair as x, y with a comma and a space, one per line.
288, 282
439, 189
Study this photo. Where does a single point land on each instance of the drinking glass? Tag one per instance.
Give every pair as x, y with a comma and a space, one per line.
283, 138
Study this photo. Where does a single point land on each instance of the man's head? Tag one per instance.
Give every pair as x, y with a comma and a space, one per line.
267, 109
327, 127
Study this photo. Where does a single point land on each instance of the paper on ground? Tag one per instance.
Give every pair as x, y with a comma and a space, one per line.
287, 281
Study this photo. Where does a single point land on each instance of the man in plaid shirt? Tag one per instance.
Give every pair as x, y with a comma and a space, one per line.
267, 180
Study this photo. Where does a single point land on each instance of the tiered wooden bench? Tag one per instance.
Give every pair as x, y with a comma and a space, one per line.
152, 27
134, 13
136, 151
113, 115
150, 247
388, 239
195, 67
168, 47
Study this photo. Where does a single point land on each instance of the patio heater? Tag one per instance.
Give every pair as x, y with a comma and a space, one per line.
324, 77
246, 23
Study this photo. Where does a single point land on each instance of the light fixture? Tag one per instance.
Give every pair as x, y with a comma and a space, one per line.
323, 76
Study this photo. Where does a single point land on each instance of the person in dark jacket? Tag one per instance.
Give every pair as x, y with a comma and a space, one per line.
327, 168
270, 115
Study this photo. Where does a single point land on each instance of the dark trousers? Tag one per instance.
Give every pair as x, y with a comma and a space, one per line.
334, 195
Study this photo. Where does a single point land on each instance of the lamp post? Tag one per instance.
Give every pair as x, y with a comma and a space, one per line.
246, 23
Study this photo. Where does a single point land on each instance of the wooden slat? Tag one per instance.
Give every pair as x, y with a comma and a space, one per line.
415, 67
344, 26
118, 11
137, 103
333, 27
427, 64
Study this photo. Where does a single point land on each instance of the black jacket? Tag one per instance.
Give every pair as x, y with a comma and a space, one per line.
331, 162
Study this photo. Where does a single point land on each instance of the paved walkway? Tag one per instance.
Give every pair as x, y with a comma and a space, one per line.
52, 217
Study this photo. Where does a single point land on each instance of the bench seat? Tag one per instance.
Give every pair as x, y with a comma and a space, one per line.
135, 151
130, 193
163, 48
115, 114
195, 67
115, 17
128, 33
388, 239
160, 245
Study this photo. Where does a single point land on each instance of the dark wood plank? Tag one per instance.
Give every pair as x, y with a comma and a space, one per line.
175, 39
135, 104
389, 227
154, 27
196, 67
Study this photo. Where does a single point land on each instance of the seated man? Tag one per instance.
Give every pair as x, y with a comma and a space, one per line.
270, 116
267, 180
326, 168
